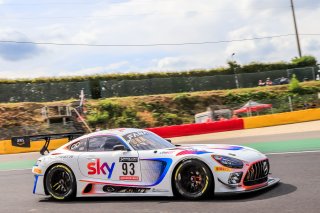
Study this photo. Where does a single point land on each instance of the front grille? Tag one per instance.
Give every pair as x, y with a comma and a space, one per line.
257, 173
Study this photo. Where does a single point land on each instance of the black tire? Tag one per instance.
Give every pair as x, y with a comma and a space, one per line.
60, 182
193, 180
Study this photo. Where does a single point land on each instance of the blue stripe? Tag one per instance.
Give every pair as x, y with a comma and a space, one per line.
164, 170
123, 142
35, 183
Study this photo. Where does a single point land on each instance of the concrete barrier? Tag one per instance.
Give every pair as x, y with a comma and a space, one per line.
281, 118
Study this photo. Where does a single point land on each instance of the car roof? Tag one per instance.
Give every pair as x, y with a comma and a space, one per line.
116, 132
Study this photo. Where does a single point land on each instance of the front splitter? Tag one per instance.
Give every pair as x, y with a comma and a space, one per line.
271, 182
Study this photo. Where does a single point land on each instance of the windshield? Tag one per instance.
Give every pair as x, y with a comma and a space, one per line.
144, 140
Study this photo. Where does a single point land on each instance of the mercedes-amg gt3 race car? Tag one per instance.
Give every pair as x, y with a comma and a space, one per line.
135, 162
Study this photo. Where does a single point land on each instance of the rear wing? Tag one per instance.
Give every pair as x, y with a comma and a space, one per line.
25, 141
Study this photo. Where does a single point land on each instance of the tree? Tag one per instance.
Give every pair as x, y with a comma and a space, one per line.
233, 66
304, 61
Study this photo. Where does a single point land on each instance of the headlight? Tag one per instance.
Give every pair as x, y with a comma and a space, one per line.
38, 162
235, 178
228, 161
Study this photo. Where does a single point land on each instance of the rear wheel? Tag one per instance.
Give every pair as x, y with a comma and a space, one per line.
193, 180
60, 182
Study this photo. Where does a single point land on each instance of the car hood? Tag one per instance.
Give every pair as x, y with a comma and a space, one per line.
240, 152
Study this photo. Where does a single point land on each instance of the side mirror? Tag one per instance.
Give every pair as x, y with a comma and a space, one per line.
169, 140
119, 147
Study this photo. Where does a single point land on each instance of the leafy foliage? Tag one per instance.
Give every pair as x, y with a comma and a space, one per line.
185, 101
294, 85
233, 67
164, 119
111, 115
304, 61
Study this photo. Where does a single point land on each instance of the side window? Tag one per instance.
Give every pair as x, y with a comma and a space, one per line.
105, 143
79, 146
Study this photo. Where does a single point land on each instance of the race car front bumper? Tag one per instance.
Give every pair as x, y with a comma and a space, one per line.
271, 182
38, 187
241, 189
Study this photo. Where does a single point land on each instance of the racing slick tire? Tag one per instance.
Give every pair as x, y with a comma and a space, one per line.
60, 182
193, 180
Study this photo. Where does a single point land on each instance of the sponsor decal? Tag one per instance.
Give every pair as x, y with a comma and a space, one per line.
134, 190
222, 169
100, 168
20, 141
128, 159
134, 178
65, 156
159, 190
132, 135
121, 189
167, 152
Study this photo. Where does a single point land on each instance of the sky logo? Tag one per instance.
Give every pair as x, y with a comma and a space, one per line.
98, 168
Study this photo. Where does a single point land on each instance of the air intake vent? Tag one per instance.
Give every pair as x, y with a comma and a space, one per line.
88, 188
257, 173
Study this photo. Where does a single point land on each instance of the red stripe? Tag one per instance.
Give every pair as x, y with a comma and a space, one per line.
108, 183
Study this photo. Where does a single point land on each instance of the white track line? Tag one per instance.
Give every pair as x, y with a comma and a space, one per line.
285, 153
12, 170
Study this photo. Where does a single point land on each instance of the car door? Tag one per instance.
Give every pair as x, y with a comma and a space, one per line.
102, 162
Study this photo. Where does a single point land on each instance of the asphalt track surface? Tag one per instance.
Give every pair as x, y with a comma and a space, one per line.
299, 191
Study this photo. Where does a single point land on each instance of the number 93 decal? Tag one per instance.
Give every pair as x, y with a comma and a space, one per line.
128, 169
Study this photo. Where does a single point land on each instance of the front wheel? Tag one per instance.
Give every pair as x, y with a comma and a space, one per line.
60, 182
193, 180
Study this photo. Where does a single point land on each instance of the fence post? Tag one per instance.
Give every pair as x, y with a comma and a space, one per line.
288, 73
290, 104
237, 81
313, 73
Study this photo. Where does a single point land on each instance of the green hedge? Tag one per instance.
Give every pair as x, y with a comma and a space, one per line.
248, 68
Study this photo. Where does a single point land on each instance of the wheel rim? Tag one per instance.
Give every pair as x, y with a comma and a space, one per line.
192, 180
60, 182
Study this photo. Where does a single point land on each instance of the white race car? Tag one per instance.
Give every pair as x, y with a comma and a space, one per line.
135, 162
